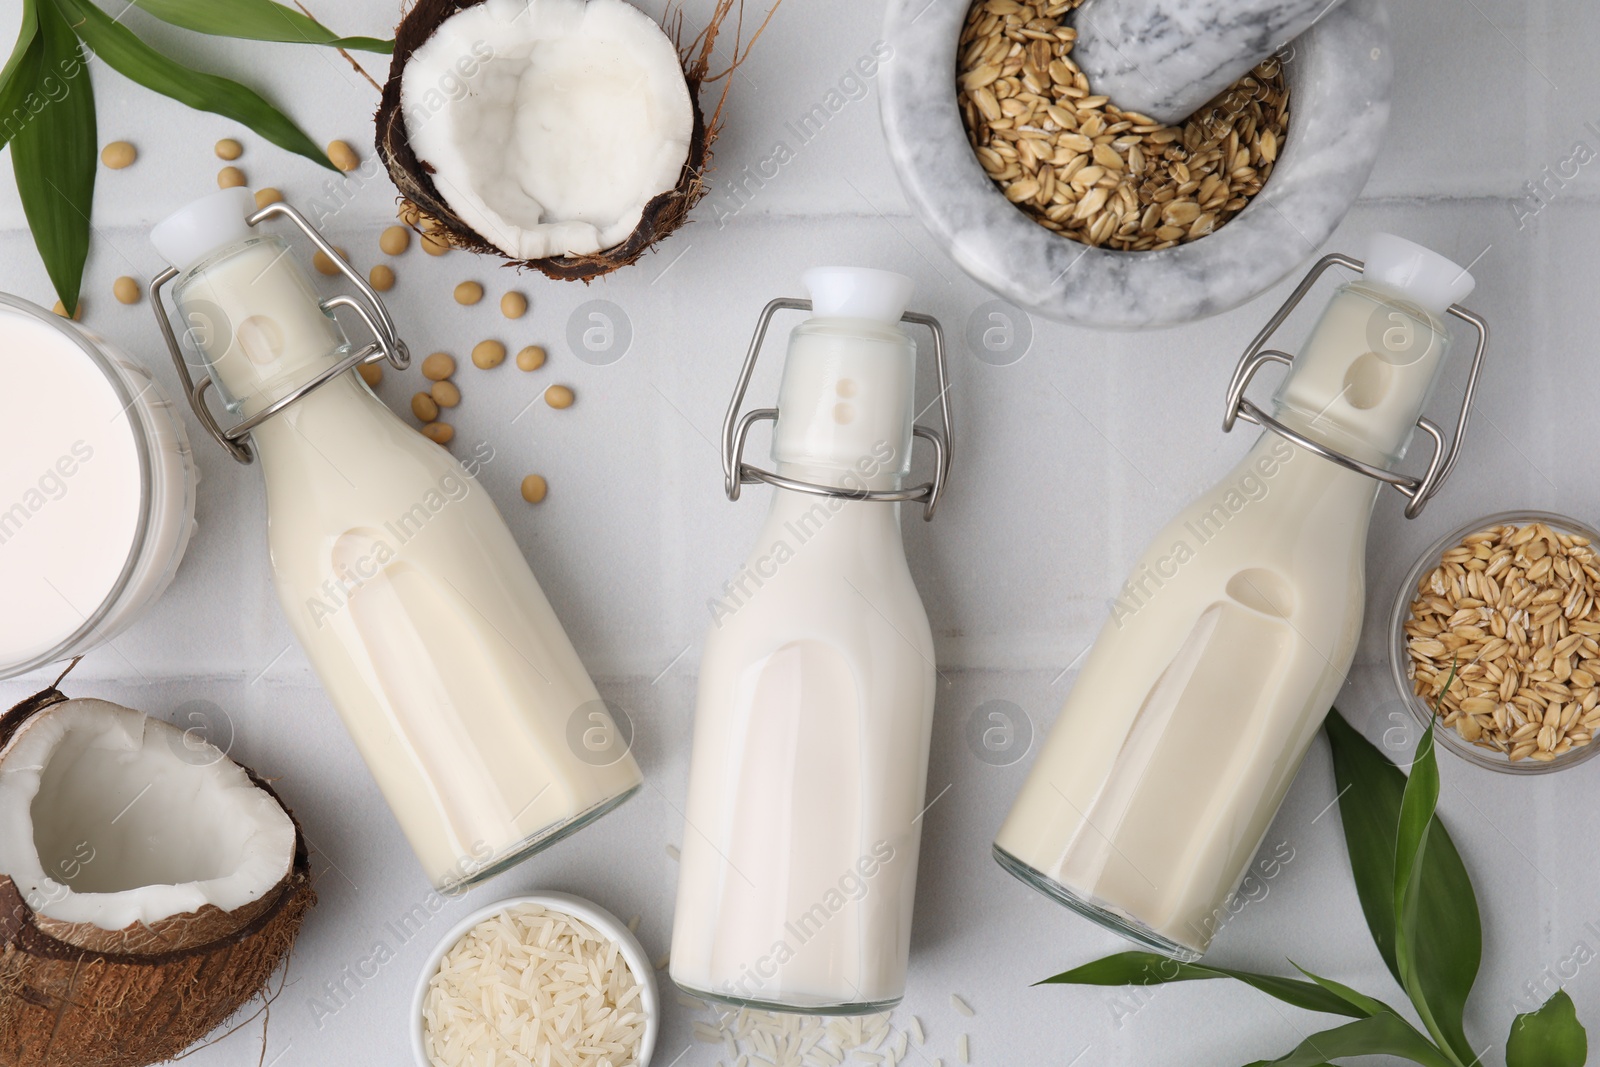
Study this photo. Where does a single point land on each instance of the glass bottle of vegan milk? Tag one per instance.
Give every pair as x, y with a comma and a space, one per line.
399, 577
1229, 641
817, 682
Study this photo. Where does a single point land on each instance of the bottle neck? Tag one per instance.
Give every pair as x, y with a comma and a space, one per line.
845, 405
1365, 374
251, 312
1278, 462
345, 402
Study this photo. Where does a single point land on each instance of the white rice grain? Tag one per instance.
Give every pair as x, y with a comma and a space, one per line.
533, 988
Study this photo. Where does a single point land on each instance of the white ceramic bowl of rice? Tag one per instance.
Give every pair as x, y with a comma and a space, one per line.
548, 980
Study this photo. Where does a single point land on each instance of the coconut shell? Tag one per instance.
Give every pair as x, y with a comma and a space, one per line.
73, 995
662, 215
12, 720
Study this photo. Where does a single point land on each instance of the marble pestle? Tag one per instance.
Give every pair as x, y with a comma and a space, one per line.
1167, 58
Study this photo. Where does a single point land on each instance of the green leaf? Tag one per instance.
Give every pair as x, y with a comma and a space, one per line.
20, 74
1549, 1037
1445, 945
124, 52
1417, 806
1370, 790
53, 152
256, 20
1439, 993
1147, 968
1364, 1004
1377, 1035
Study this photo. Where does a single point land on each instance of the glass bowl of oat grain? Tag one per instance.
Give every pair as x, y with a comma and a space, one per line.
1506, 611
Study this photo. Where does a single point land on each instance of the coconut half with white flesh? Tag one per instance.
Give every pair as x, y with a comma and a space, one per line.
563, 135
149, 886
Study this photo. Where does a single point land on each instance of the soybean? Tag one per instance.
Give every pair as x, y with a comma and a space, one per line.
371, 373
343, 156
394, 240
229, 149
438, 367
445, 394
469, 293
534, 488
423, 407
126, 290
266, 196
439, 432
325, 264
381, 277
513, 305
559, 396
531, 358
230, 178
488, 354
118, 154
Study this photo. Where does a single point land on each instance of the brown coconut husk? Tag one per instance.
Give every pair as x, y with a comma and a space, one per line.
73, 995
662, 215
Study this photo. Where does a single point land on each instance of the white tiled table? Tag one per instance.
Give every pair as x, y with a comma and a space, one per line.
1066, 462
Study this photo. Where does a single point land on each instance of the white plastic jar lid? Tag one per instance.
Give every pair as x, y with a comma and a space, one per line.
74, 483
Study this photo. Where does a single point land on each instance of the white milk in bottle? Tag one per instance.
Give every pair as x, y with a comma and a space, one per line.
816, 694
398, 575
1233, 634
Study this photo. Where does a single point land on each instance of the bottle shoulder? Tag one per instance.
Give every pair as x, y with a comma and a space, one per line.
340, 454
839, 575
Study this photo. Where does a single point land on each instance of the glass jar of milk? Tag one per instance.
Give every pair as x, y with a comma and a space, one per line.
97, 488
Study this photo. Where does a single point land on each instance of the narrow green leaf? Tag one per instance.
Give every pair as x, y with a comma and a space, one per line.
1438, 992
1447, 943
1360, 1001
1377, 1035
1417, 806
124, 52
27, 36
20, 75
1147, 968
1370, 790
53, 153
1549, 1037
255, 20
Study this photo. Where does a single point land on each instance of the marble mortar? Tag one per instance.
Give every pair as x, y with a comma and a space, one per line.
1339, 75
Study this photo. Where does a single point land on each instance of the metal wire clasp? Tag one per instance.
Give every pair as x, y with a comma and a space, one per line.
737, 473
1417, 491
386, 343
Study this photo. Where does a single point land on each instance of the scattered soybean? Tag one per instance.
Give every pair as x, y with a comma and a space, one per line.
438, 367
487, 354
118, 154
531, 358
